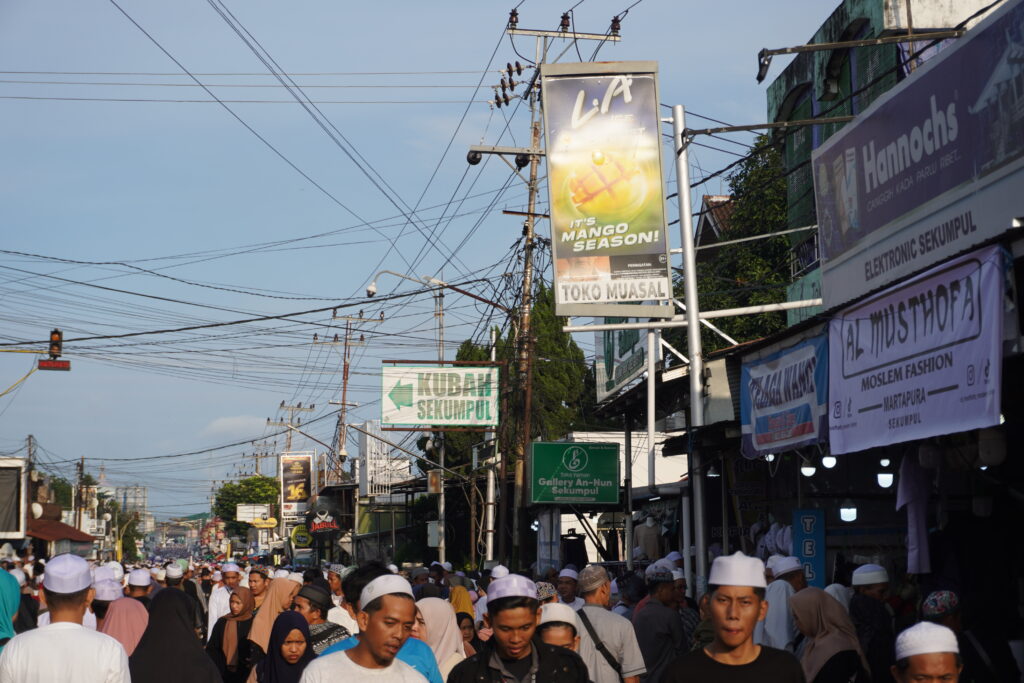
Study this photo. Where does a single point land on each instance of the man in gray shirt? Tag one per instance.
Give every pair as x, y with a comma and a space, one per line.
603, 627
659, 630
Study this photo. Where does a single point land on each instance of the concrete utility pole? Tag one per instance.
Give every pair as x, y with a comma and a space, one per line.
291, 410
338, 455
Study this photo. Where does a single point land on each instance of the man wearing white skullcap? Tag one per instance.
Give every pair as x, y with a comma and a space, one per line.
219, 603
778, 629
927, 652
736, 601
568, 580
873, 619
64, 650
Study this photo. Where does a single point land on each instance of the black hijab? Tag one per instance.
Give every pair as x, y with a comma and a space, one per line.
169, 651
273, 668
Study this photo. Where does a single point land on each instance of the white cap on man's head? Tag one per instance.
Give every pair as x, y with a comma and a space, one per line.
674, 556
296, 577
511, 586
447, 566
116, 567
19, 575
174, 571
391, 568
925, 638
569, 574
737, 570
281, 573
384, 585
786, 565
559, 612
230, 567
102, 574
108, 590
139, 577
868, 574
499, 571
67, 574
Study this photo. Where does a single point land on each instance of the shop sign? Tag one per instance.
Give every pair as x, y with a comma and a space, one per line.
574, 473
301, 537
296, 481
427, 396
784, 399
921, 359
621, 358
608, 235
322, 520
932, 168
809, 544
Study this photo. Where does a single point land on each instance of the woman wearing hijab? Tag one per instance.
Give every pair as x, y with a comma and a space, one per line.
229, 642
442, 633
10, 601
832, 652
461, 602
289, 650
470, 642
279, 599
126, 621
169, 651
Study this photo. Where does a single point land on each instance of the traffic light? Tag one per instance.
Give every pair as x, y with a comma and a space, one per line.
56, 343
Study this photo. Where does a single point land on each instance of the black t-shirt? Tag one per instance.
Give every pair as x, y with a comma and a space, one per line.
771, 666
519, 668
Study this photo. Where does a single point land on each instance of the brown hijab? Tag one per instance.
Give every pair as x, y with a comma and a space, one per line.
229, 644
279, 598
822, 619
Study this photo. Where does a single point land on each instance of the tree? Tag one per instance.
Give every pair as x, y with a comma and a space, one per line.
252, 490
750, 273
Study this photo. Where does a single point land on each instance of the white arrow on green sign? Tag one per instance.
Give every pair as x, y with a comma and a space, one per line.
424, 396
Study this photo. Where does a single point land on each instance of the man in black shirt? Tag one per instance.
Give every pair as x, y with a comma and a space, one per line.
736, 589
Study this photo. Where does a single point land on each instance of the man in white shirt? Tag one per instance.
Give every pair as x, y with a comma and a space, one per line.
567, 580
64, 650
614, 632
386, 616
220, 597
779, 629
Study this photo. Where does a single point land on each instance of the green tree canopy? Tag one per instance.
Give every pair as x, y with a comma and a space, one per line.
252, 490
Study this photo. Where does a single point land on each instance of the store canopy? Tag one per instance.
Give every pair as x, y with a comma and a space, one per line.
52, 530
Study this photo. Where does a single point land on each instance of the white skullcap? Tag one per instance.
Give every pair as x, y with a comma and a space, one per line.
499, 571
558, 612
67, 574
139, 577
116, 567
160, 574
174, 571
447, 566
786, 565
868, 574
296, 577
678, 574
281, 573
102, 574
569, 574
391, 568
925, 638
108, 590
230, 567
19, 575
511, 586
217, 576
674, 556
737, 570
384, 585
772, 561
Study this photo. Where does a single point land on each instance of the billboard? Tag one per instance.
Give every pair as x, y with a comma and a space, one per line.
573, 473
296, 481
608, 235
784, 399
931, 169
426, 396
921, 359
621, 357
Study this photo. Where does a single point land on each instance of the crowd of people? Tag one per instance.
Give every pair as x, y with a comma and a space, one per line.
73, 621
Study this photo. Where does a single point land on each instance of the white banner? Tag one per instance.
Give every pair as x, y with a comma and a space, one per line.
426, 396
921, 359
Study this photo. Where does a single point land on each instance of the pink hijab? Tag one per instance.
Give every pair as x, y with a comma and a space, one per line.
126, 619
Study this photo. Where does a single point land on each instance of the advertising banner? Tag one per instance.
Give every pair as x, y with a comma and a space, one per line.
429, 395
296, 481
933, 167
809, 544
621, 358
921, 359
784, 399
322, 520
572, 473
608, 234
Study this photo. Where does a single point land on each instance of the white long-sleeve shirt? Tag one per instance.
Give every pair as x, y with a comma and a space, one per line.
779, 629
218, 605
65, 652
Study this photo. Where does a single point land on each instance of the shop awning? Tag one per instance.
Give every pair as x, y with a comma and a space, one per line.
52, 530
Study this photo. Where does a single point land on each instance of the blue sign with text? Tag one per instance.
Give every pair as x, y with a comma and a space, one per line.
809, 544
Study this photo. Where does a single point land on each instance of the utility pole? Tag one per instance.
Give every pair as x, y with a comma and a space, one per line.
531, 156
79, 493
338, 457
291, 410
260, 451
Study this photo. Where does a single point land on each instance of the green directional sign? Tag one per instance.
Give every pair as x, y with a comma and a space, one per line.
574, 473
425, 396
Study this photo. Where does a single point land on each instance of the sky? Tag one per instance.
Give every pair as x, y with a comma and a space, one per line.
132, 202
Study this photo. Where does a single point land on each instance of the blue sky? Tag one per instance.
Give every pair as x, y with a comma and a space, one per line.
145, 183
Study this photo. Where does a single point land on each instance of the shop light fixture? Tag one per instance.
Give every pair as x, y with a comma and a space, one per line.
884, 462
828, 461
769, 457
808, 469
535, 525
713, 472
885, 479
848, 511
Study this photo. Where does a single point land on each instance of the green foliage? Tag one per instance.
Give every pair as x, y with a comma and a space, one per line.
129, 537
61, 489
751, 273
252, 490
